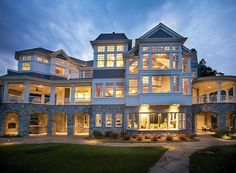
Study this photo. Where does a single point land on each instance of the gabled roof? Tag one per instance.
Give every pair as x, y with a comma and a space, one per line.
161, 31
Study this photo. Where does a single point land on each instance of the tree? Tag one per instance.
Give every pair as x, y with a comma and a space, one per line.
205, 70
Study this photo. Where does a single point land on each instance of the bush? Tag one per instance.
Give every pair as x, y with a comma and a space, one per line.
169, 138
139, 137
108, 133
122, 134
183, 137
148, 136
126, 137
155, 137
114, 135
97, 134
135, 136
221, 133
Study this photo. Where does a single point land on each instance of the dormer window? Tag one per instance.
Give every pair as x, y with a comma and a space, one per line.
101, 48
26, 58
42, 59
110, 48
25, 66
120, 48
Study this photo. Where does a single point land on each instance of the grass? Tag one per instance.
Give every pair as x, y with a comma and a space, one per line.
77, 158
220, 159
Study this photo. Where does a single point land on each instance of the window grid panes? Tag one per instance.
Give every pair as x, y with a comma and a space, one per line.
110, 60
109, 90
100, 60
120, 89
120, 48
98, 120
101, 48
108, 120
145, 84
160, 84
133, 66
133, 86
110, 48
160, 61
118, 120
26, 58
185, 86
176, 83
145, 61
99, 90
119, 60
26, 66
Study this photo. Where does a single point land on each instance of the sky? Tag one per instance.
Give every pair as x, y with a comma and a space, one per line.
71, 24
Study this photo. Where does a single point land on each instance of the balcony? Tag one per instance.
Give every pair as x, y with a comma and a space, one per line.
15, 99
213, 99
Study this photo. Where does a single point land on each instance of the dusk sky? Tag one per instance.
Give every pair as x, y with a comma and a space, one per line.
70, 24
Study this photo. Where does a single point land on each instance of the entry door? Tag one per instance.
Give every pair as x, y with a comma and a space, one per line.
200, 122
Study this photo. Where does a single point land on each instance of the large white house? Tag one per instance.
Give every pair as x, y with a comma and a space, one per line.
152, 86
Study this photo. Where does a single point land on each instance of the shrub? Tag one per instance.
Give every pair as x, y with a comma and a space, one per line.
114, 135
126, 137
122, 134
221, 133
139, 137
97, 134
134, 136
108, 133
155, 137
148, 136
182, 137
169, 138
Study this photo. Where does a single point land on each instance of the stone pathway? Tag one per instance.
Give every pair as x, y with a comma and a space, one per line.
175, 160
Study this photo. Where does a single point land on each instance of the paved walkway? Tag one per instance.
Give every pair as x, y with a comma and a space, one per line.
175, 160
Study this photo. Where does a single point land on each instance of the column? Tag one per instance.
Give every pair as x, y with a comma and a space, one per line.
190, 86
149, 60
26, 92
70, 124
171, 60
52, 95
72, 94
219, 91
104, 90
42, 99
171, 83
5, 92
208, 98
50, 124
150, 84
227, 95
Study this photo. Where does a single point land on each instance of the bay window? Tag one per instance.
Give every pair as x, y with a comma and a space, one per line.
108, 120
145, 84
145, 61
119, 60
99, 90
160, 61
133, 86
110, 60
118, 120
160, 84
98, 120
109, 90
100, 60
120, 89
133, 66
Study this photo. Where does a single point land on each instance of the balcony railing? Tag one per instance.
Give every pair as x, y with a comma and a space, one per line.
63, 101
39, 100
213, 99
81, 75
82, 101
15, 99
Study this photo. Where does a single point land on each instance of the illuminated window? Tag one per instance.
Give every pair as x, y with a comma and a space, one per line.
58, 62
129, 121
154, 48
167, 48
175, 61
42, 59
133, 86
120, 89
185, 86
172, 120
110, 60
26, 66
160, 84
59, 70
120, 48
86, 121
119, 60
145, 61
174, 47
82, 92
160, 48
110, 48
160, 61
26, 58
100, 61
98, 120
101, 48
135, 121
145, 48
118, 120
184, 64
143, 120
145, 84
99, 90
109, 90
108, 120
176, 83
158, 120
133, 66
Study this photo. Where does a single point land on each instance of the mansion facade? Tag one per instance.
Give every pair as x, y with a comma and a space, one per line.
152, 86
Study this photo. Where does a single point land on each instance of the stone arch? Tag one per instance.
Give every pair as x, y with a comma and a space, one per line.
59, 123
11, 123
38, 123
206, 121
81, 123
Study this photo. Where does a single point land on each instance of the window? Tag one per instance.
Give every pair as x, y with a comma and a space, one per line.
120, 89
86, 121
119, 60
133, 86
42, 59
25, 66
135, 121
167, 48
160, 48
173, 121
132, 121
145, 48
185, 86
129, 121
175, 61
120, 48
109, 90
59, 70
58, 62
145, 61
108, 120
26, 58
118, 120
143, 120
145, 84
98, 120
160, 61
158, 120
110, 48
110, 60
133, 66
160, 84
154, 48
184, 64
176, 83
101, 48
100, 61
174, 47
99, 90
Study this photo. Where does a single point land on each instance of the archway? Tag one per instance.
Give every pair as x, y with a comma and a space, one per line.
59, 124
231, 121
38, 124
206, 121
11, 123
82, 121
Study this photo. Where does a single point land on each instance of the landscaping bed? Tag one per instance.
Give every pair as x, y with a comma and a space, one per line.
225, 134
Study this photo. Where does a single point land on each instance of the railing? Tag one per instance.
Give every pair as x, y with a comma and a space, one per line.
213, 99
82, 101
63, 101
81, 75
39, 100
15, 99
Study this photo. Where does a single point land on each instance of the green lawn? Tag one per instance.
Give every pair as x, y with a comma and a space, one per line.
77, 158
221, 159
